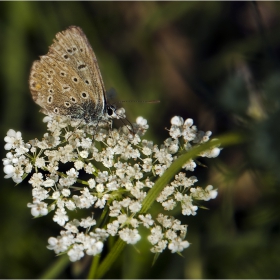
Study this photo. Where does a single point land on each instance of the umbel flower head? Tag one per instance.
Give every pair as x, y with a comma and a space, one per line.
108, 172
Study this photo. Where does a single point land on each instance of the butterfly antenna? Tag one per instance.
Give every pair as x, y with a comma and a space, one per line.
139, 101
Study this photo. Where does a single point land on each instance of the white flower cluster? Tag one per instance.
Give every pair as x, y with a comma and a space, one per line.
84, 167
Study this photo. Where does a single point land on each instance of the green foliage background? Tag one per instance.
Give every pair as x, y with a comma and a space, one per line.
215, 62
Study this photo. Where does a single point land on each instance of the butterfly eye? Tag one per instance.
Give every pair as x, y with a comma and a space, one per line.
84, 95
50, 99
110, 110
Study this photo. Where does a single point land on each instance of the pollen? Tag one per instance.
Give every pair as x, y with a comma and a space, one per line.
38, 86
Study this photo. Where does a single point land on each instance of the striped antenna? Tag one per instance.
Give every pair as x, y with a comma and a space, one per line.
139, 101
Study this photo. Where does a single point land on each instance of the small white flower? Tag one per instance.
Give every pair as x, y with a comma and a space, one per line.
36, 180
56, 195
170, 234
147, 220
91, 183
38, 208
61, 243
146, 151
201, 194
76, 253
70, 205
156, 235
48, 183
188, 122
88, 222
72, 226
130, 236
125, 202
40, 162
112, 186
169, 204
212, 153
79, 164
102, 177
122, 219
115, 209
159, 247
135, 206
9, 170
147, 164
86, 143
94, 247
39, 193
165, 220
72, 173
178, 121
190, 165
89, 168
212, 193
112, 228
66, 192
134, 222
60, 216
86, 200
187, 207
100, 188
84, 154
141, 121
178, 245
167, 191
13, 139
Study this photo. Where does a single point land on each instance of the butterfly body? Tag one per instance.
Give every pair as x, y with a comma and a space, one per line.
67, 81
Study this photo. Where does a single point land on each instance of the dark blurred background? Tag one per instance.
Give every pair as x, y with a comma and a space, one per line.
215, 62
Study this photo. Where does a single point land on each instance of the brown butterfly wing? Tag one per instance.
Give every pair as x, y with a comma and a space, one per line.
67, 81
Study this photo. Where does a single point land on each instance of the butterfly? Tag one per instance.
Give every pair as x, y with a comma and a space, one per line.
67, 80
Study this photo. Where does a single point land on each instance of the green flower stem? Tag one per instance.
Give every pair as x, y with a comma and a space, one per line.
56, 268
110, 258
93, 267
226, 140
